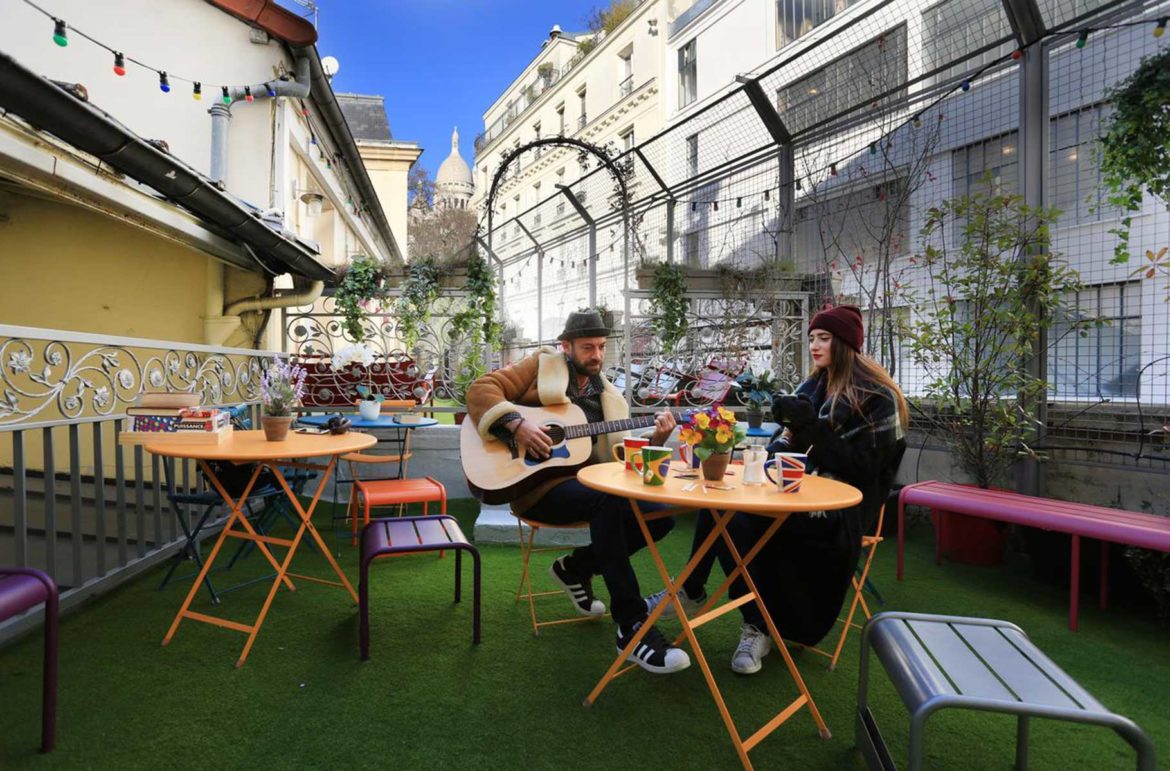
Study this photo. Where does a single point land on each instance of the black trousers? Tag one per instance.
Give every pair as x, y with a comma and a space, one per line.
803, 573
614, 536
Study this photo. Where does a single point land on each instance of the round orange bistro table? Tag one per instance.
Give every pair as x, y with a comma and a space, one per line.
252, 447
816, 494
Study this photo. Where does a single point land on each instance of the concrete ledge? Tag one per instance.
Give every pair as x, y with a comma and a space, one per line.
496, 524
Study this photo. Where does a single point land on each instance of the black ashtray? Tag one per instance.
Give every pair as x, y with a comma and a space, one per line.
337, 425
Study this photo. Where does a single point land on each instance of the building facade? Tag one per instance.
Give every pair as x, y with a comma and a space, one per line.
603, 89
244, 170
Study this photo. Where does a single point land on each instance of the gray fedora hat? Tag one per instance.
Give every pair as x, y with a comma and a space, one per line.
584, 324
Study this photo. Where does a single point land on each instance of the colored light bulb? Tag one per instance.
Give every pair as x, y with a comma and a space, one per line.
60, 34
917, 122
164, 85
833, 169
197, 91
1016, 54
1160, 28
227, 98
966, 85
119, 64
248, 94
271, 90
873, 148
1082, 38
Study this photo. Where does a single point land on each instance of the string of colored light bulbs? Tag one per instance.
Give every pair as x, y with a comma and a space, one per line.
61, 31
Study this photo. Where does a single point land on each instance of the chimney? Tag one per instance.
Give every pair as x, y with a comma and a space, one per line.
555, 32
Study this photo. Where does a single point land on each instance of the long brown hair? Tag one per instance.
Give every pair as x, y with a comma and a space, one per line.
852, 376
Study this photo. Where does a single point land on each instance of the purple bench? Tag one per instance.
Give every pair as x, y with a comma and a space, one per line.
1080, 520
22, 589
412, 535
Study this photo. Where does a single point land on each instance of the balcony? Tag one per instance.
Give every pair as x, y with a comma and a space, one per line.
626, 87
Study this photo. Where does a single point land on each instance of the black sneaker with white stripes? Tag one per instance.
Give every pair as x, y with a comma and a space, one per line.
653, 653
580, 591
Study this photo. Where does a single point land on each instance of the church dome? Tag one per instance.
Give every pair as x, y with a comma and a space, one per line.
454, 170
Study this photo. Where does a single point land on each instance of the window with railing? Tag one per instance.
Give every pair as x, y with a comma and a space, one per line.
1097, 361
797, 18
1075, 183
688, 82
692, 156
626, 87
583, 119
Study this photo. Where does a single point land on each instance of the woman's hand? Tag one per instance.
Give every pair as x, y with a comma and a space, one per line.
795, 412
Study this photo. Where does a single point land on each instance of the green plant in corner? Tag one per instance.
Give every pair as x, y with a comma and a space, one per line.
1135, 150
990, 297
669, 301
360, 285
419, 292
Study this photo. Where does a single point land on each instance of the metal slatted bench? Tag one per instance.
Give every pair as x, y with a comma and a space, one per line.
1080, 520
936, 662
411, 535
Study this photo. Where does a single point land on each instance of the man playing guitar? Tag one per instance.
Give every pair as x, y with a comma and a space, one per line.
573, 375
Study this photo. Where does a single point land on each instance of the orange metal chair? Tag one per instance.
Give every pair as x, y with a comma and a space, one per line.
527, 549
870, 543
365, 495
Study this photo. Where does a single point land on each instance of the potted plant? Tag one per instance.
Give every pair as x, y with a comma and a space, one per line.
991, 290
1134, 148
361, 286
370, 405
282, 385
420, 290
755, 391
713, 433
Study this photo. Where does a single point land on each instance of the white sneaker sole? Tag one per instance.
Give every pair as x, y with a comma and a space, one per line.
678, 666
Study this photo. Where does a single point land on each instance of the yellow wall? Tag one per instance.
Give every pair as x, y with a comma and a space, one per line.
70, 268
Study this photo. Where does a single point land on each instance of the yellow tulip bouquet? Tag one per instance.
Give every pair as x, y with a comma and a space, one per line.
711, 431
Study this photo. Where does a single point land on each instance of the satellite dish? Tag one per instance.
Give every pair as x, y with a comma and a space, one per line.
331, 66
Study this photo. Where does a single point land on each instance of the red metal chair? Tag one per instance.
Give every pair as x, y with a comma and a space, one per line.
372, 494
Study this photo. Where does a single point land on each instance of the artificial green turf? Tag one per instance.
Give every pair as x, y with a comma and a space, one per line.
428, 698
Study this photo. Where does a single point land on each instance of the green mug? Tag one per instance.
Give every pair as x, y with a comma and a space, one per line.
655, 465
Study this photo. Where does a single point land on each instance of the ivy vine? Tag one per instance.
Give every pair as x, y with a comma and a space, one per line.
362, 282
477, 321
420, 290
1135, 150
669, 301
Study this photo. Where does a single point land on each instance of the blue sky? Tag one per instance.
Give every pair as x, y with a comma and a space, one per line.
439, 63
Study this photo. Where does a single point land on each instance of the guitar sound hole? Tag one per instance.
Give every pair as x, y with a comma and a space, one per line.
556, 435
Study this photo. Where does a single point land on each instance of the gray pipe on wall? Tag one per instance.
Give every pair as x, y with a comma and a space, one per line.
221, 114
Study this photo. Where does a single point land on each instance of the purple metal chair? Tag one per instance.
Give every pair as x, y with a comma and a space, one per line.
20, 590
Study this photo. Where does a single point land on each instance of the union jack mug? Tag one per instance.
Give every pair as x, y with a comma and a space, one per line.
791, 466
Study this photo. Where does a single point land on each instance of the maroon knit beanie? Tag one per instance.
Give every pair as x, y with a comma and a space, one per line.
843, 322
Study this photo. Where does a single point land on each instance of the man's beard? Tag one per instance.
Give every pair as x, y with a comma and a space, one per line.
584, 369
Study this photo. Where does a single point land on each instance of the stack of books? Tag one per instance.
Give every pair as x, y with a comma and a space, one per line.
162, 417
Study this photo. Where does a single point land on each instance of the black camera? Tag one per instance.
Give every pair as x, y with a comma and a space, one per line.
338, 424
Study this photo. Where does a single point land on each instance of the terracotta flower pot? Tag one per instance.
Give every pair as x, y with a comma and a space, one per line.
715, 466
755, 418
276, 428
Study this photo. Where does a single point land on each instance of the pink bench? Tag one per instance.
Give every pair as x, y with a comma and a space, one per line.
1131, 528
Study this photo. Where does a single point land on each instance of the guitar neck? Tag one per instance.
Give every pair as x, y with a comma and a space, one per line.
611, 426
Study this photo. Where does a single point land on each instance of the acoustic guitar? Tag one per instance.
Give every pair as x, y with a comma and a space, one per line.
496, 473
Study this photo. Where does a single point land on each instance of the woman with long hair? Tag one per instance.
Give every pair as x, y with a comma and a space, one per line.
850, 417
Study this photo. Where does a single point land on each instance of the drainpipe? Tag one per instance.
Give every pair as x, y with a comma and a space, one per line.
218, 328
231, 314
221, 114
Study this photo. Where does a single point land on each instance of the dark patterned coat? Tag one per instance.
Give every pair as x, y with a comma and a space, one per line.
806, 568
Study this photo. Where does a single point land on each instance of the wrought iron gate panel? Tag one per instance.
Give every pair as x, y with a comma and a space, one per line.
725, 336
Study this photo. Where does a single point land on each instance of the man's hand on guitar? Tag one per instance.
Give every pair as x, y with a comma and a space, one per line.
664, 425
530, 438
